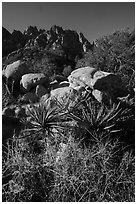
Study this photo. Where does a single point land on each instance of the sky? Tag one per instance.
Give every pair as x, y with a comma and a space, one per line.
93, 19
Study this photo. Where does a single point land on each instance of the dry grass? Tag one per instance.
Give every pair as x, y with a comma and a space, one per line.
60, 167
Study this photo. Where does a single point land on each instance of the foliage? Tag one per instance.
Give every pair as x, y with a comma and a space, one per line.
114, 53
74, 174
50, 162
7, 97
67, 71
91, 174
75, 151
44, 120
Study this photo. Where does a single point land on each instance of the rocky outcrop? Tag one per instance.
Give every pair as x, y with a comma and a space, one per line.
41, 40
7, 42
55, 84
108, 82
59, 78
18, 39
12, 75
44, 98
67, 96
58, 46
16, 70
60, 94
102, 96
29, 81
104, 86
85, 43
63, 84
81, 77
40, 91
31, 32
12, 41
69, 42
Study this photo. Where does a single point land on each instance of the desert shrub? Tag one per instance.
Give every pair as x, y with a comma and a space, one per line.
67, 71
92, 116
91, 174
50, 162
70, 174
114, 53
30, 175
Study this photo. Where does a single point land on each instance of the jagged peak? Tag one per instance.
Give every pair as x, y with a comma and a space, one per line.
56, 29
5, 30
31, 29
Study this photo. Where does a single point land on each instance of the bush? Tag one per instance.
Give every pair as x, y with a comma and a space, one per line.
70, 174
114, 53
81, 150
50, 162
67, 71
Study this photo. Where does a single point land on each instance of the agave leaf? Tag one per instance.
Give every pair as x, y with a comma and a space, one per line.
108, 127
100, 112
33, 113
114, 116
107, 115
114, 131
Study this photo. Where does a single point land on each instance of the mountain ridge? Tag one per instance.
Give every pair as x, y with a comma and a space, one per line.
53, 38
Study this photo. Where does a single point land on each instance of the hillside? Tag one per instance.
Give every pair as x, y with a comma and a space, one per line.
68, 118
63, 45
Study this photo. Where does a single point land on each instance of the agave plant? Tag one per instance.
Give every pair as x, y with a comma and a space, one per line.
98, 117
44, 120
71, 108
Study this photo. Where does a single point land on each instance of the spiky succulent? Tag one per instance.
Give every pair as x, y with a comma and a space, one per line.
43, 119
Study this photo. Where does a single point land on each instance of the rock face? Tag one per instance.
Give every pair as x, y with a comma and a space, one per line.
40, 91
105, 86
55, 38
18, 39
81, 77
86, 44
29, 81
55, 85
31, 32
56, 45
102, 96
7, 42
11, 42
40, 40
108, 82
16, 70
63, 92
63, 84
44, 98
67, 96
59, 78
